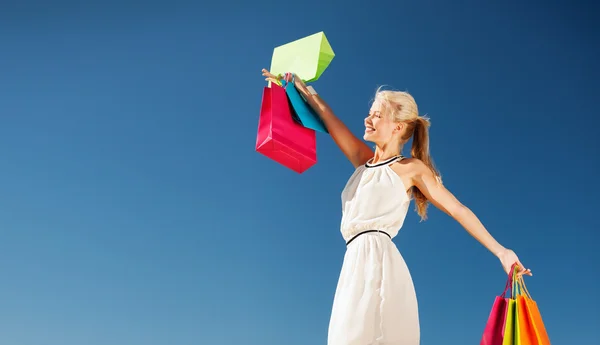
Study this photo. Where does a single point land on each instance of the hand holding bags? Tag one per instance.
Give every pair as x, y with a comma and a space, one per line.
287, 124
515, 320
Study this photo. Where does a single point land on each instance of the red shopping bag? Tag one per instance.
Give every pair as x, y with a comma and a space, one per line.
280, 137
493, 333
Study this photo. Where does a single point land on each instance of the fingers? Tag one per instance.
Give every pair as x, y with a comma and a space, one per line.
268, 74
287, 77
523, 270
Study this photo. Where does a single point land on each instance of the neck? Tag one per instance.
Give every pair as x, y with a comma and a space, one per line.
384, 152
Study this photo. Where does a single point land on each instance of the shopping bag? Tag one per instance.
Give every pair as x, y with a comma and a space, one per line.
280, 137
303, 112
510, 327
307, 57
493, 333
531, 328
538, 322
525, 334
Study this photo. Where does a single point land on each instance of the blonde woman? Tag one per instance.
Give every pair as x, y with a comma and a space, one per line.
375, 301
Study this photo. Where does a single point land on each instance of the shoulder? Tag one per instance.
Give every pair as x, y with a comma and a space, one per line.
413, 166
413, 170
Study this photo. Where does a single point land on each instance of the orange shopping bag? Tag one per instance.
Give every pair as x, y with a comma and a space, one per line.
530, 328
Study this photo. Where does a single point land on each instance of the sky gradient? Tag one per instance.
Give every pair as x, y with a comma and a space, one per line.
135, 210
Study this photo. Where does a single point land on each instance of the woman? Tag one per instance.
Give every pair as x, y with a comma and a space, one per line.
375, 300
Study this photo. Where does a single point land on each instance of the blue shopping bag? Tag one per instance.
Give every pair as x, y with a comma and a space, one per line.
304, 113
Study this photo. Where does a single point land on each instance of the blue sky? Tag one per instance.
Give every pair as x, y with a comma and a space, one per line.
134, 209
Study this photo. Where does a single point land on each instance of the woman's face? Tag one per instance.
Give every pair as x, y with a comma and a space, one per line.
379, 128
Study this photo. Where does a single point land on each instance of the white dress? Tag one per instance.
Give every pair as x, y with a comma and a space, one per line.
375, 301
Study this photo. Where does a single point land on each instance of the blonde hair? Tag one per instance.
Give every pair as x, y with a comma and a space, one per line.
402, 107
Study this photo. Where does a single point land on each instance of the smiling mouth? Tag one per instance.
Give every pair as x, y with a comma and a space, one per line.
369, 129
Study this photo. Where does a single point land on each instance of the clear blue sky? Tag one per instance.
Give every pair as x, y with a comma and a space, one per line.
134, 209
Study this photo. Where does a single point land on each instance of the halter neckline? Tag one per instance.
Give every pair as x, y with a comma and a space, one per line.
385, 162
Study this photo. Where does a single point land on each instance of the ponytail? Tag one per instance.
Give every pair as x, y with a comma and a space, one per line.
402, 107
420, 150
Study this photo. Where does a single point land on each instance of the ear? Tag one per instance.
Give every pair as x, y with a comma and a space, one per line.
399, 126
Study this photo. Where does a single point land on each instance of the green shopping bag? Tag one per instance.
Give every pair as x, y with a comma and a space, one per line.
511, 327
511, 323
307, 57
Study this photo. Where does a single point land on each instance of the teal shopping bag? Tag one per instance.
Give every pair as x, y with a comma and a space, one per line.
305, 114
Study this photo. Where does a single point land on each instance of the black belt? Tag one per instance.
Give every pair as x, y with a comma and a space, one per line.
364, 232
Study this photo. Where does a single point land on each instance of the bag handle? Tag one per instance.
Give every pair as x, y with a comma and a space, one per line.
522, 287
510, 281
515, 284
519, 287
284, 82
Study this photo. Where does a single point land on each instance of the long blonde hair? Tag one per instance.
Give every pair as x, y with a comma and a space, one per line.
402, 107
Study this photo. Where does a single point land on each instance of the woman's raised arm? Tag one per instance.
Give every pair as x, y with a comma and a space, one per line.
356, 150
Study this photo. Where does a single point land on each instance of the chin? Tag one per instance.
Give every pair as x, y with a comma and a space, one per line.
368, 137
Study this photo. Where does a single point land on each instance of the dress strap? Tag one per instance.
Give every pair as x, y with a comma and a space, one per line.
368, 164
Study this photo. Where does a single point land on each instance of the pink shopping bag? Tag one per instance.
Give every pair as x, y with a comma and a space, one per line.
280, 137
493, 334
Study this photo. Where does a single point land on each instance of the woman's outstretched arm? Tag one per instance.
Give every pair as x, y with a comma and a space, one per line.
444, 200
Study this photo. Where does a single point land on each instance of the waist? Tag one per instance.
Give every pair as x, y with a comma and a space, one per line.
366, 232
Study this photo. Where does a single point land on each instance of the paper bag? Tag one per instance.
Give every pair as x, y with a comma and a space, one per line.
281, 138
307, 57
